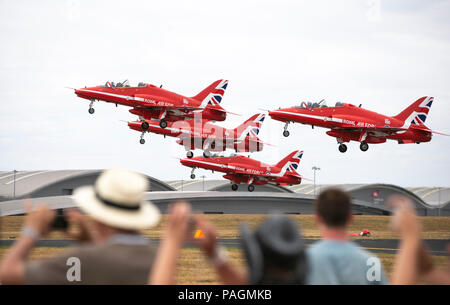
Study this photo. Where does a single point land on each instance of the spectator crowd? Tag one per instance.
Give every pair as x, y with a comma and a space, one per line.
112, 250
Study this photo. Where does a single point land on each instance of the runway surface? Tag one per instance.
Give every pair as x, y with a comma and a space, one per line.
388, 246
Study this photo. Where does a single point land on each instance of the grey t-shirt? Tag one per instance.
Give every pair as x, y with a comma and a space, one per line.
343, 263
107, 264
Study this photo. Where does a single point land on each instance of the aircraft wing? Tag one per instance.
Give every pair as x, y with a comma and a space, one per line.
256, 140
424, 128
389, 130
170, 107
297, 175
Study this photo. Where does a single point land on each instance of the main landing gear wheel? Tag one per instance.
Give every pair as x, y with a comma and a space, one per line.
286, 133
145, 126
206, 154
342, 148
91, 110
189, 154
364, 146
163, 124
142, 141
192, 176
234, 187
251, 187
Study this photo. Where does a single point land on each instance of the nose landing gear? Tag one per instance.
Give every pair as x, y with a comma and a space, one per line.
142, 140
91, 110
286, 132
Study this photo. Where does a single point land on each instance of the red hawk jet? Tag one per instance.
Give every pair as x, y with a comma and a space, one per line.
152, 102
207, 136
350, 123
240, 169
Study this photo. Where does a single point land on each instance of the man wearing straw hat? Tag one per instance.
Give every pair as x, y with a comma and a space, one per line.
115, 252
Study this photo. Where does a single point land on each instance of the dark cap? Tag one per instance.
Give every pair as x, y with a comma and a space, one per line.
276, 243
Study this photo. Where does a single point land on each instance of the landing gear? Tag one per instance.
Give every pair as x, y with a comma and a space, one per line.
91, 110
286, 132
189, 154
206, 153
192, 173
145, 126
342, 148
142, 141
234, 187
251, 187
163, 124
364, 146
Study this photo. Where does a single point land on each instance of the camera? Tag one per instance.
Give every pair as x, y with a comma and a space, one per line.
60, 221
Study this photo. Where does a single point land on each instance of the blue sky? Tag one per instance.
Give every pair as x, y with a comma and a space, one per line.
382, 54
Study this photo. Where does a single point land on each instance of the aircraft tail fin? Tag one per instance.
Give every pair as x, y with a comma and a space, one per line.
290, 162
250, 128
417, 112
213, 94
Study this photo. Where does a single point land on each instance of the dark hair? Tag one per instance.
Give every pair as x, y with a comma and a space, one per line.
334, 207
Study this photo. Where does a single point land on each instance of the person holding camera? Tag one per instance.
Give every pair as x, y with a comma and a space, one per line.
275, 252
179, 230
113, 251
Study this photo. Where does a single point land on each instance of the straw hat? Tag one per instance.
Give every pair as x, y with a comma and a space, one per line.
117, 199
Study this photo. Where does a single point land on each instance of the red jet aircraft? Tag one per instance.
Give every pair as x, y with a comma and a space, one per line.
241, 169
207, 136
152, 102
350, 123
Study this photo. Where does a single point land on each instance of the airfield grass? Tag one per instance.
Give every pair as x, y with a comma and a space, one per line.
228, 226
193, 268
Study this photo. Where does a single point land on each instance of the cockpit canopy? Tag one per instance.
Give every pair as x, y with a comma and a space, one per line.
321, 104
305, 105
124, 84
221, 155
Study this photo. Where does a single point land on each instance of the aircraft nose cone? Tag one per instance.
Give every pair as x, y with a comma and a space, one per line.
186, 162
78, 92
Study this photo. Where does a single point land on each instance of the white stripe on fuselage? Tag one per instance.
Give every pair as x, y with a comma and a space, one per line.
280, 174
317, 117
214, 164
125, 97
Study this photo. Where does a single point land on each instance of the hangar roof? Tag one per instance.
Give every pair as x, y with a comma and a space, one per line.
428, 196
28, 182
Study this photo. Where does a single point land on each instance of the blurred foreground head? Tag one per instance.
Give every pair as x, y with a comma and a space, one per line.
334, 208
275, 252
117, 200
